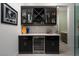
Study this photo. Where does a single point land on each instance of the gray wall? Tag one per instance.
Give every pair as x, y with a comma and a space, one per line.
9, 36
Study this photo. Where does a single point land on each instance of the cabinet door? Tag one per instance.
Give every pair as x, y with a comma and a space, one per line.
25, 44
51, 15
26, 16
52, 44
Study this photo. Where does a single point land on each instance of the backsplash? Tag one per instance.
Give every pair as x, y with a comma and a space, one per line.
43, 29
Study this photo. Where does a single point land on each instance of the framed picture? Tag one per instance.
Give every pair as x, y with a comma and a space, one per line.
8, 14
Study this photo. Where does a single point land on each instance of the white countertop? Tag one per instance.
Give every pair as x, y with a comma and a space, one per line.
40, 34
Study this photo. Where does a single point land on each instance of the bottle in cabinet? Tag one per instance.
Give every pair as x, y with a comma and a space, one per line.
25, 29
29, 18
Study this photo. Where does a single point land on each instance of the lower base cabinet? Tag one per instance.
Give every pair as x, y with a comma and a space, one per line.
51, 44
25, 45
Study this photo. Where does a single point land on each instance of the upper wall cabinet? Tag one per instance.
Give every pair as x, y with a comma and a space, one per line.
38, 15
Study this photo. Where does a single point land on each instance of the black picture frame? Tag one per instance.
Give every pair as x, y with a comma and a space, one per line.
8, 14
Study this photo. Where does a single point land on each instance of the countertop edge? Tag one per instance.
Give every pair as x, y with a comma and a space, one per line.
39, 34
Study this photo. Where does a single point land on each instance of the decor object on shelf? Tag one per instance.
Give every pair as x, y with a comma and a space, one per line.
24, 29
8, 14
28, 29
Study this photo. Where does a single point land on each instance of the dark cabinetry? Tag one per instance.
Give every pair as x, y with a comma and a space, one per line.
52, 44
25, 44
51, 15
39, 44
26, 15
38, 15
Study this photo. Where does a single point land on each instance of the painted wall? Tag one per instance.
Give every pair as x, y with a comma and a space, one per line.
70, 17
62, 18
9, 35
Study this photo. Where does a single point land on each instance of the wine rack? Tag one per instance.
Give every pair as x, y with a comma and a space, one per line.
39, 15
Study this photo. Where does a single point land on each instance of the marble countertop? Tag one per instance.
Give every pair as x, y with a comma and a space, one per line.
54, 34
